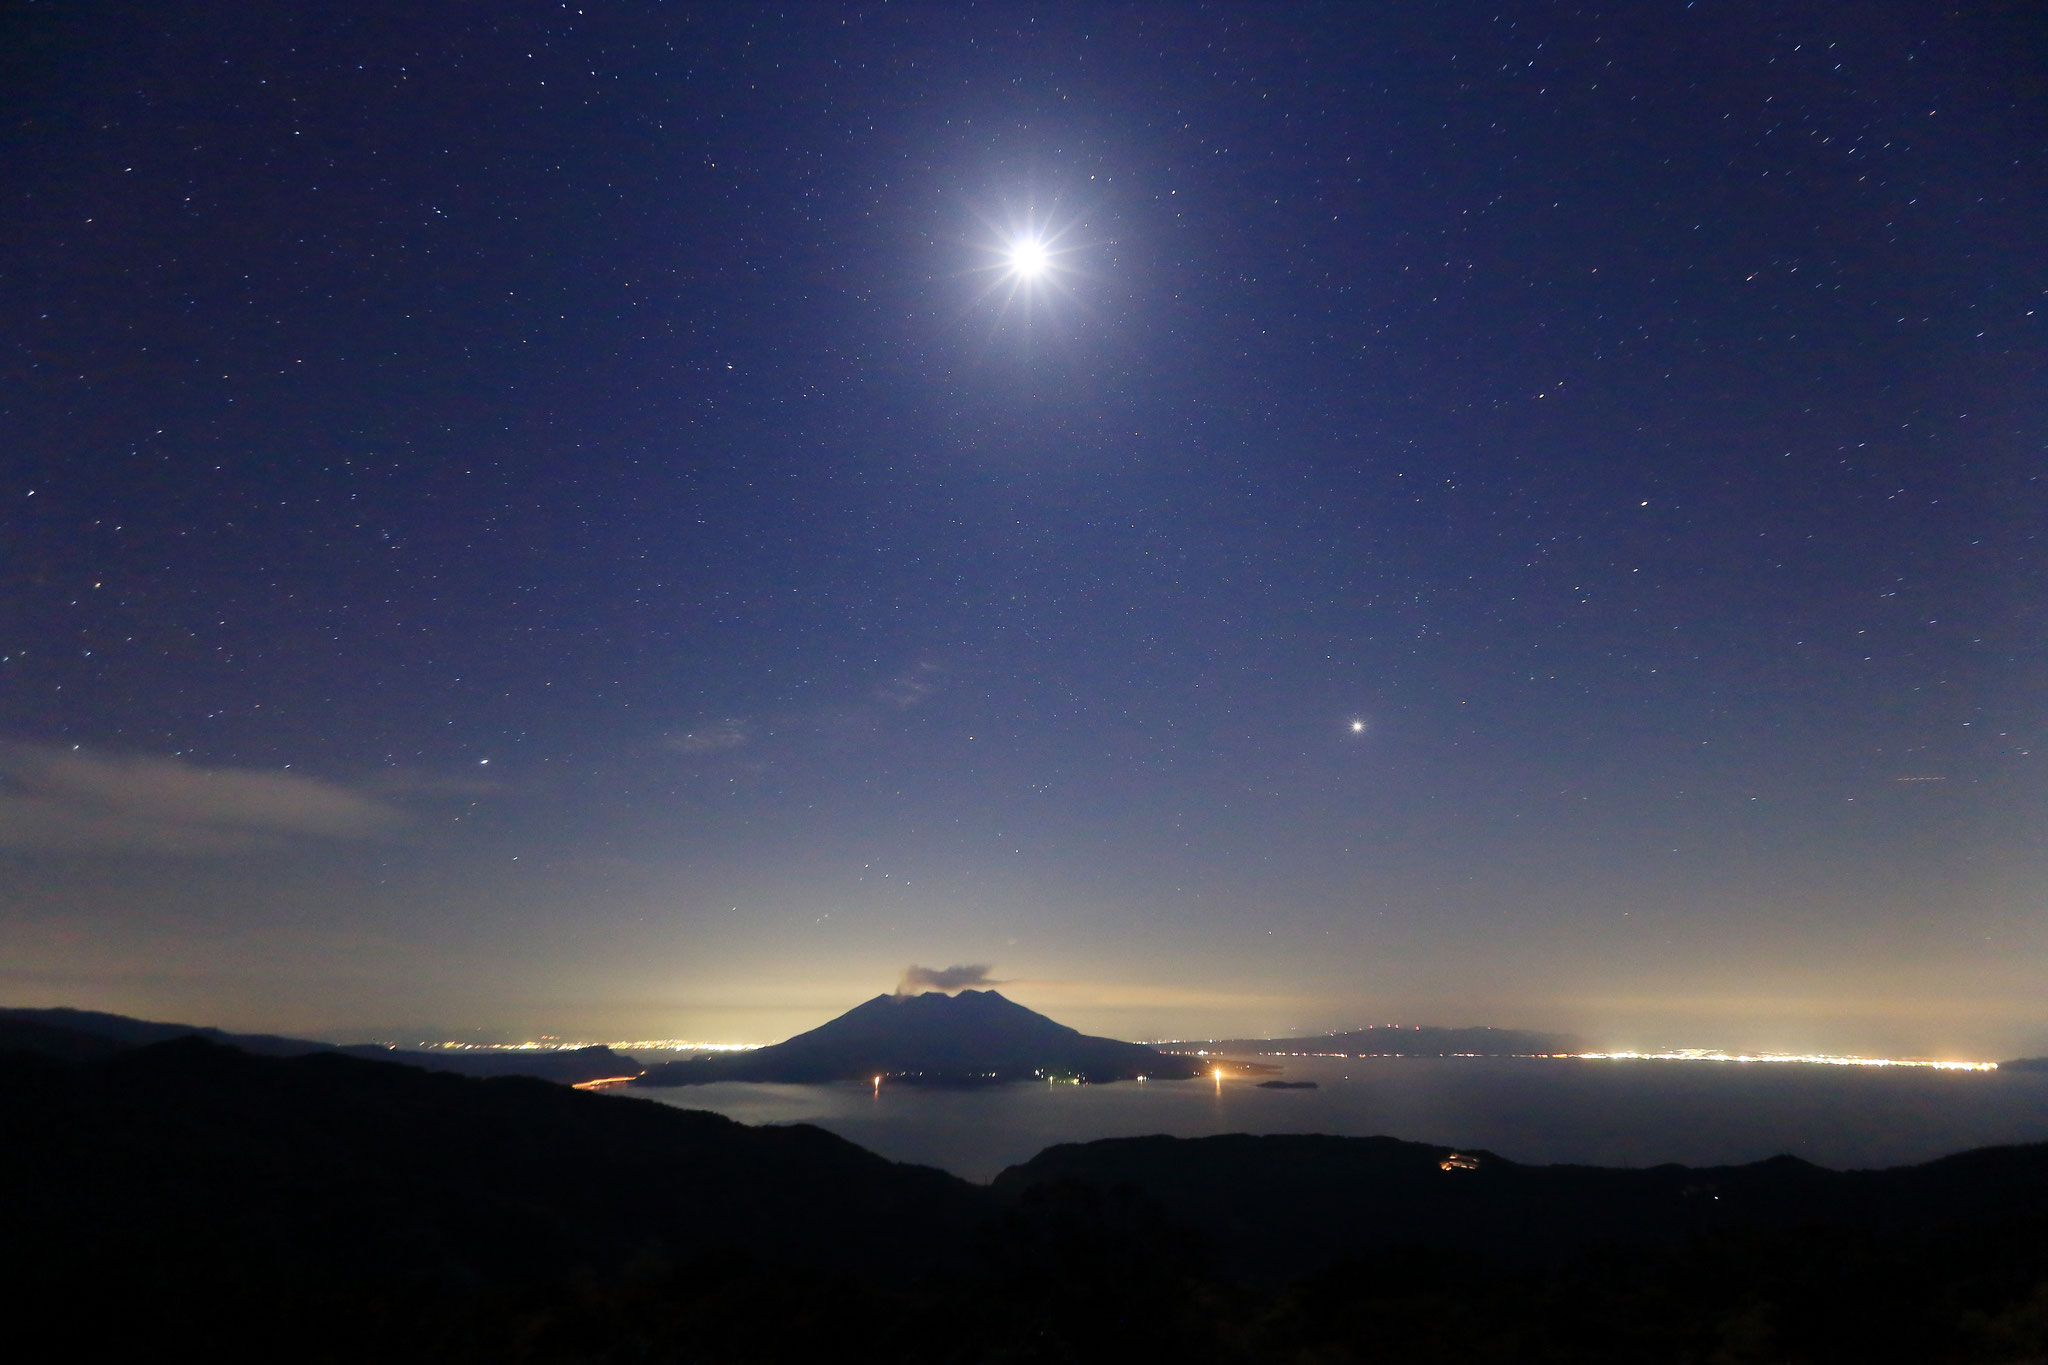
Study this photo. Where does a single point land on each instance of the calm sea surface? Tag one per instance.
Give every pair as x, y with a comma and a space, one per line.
1538, 1110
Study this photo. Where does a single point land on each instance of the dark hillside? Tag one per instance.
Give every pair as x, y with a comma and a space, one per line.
53, 1040
185, 1199
1281, 1206
199, 1179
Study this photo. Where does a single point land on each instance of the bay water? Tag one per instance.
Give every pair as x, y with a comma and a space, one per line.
1532, 1110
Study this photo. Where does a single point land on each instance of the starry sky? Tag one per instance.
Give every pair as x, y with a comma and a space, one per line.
528, 519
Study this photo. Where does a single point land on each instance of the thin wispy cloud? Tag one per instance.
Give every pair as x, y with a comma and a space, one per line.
911, 687
850, 723
67, 800
716, 737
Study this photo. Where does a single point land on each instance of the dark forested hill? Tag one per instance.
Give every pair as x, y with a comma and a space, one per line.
189, 1199
1280, 1206
197, 1185
336, 1163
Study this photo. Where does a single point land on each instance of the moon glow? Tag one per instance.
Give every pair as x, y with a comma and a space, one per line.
1028, 258
1029, 264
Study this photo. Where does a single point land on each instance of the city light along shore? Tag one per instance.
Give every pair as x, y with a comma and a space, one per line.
1683, 1054
558, 1045
1707, 1054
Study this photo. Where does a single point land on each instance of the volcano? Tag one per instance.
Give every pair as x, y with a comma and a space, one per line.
972, 1036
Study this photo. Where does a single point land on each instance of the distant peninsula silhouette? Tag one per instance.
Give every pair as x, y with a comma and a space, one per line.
933, 1038
88, 1034
1403, 1040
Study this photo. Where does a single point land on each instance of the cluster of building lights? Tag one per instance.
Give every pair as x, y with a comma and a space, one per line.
1683, 1054
557, 1045
1703, 1054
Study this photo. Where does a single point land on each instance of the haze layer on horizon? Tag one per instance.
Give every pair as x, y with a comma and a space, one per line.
642, 524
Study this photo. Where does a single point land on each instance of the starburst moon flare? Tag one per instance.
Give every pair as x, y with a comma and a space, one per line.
1028, 265
1028, 258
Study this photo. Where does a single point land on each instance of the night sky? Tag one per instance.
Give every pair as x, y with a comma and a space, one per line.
520, 519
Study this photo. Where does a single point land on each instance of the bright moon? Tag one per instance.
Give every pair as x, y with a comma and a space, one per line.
1028, 258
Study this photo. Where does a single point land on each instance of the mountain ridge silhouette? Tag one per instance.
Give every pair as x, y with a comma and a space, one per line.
63, 1031
933, 1037
321, 1207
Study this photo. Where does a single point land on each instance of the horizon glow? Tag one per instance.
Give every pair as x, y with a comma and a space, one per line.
1667, 1055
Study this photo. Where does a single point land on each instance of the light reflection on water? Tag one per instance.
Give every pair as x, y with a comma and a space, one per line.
1538, 1110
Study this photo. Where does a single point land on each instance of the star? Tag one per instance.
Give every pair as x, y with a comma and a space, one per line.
1357, 727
